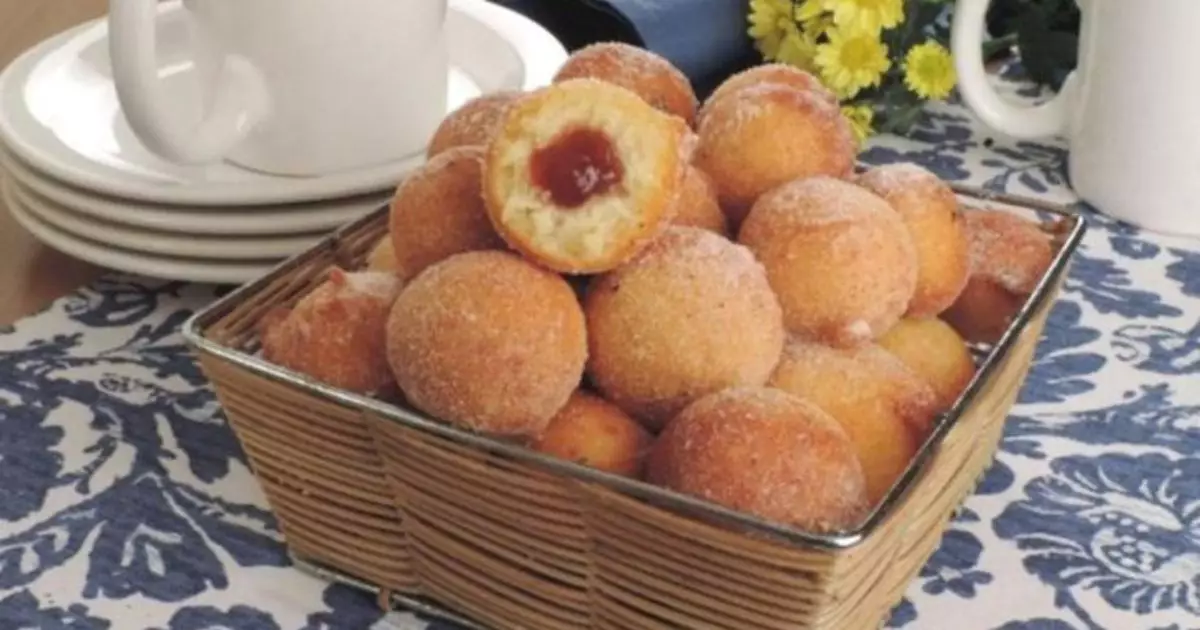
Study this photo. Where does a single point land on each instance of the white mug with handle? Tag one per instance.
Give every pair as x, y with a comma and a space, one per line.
289, 87
1130, 111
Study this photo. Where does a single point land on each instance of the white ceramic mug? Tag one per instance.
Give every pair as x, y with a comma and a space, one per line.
290, 87
1130, 110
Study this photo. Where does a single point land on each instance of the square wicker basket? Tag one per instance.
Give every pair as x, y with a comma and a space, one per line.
490, 534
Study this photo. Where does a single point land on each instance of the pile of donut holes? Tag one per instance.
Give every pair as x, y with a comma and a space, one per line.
782, 345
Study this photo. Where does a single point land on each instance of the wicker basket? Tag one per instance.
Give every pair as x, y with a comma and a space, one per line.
488, 533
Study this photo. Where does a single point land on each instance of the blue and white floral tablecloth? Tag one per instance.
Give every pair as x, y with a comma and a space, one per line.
126, 504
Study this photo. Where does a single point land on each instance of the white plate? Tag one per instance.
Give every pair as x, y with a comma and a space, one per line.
161, 243
219, 220
59, 111
165, 267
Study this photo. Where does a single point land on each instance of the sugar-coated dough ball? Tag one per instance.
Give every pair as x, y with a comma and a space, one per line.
934, 351
765, 135
438, 212
472, 124
1009, 255
335, 333
884, 407
768, 73
692, 314
594, 432
763, 452
583, 174
645, 73
382, 256
696, 204
487, 341
930, 210
838, 256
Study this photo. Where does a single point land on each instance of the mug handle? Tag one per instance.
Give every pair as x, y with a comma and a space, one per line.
1025, 122
239, 102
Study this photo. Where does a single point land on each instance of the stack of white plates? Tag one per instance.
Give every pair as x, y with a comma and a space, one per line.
78, 180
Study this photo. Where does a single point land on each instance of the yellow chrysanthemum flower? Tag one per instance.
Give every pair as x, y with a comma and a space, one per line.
808, 10
852, 61
929, 71
770, 23
866, 16
798, 49
861, 119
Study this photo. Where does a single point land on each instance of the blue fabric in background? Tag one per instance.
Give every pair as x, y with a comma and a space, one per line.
706, 39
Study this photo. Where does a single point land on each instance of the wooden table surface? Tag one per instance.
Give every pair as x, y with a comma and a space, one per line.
31, 274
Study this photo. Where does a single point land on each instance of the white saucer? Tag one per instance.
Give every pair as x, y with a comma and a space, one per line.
268, 249
165, 267
200, 220
59, 111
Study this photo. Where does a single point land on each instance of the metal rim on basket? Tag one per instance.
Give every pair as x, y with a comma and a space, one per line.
683, 504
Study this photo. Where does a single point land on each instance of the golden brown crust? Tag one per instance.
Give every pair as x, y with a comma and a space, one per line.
766, 135
437, 212
652, 148
487, 341
594, 432
763, 452
883, 406
1008, 257
839, 258
692, 314
474, 123
929, 209
645, 73
696, 204
335, 333
778, 73
935, 352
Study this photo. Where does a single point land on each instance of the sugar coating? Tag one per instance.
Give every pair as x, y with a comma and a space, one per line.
487, 341
765, 135
769, 73
693, 313
696, 203
840, 259
1007, 249
644, 72
935, 352
474, 123
335, 333
764, 452
928, 208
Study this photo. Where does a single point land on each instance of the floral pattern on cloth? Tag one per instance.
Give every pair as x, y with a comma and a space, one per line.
127, 504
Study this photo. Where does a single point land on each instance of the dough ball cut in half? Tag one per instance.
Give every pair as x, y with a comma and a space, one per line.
583, 174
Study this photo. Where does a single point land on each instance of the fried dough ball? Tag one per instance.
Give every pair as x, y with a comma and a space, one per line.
883, 406
930, 210
335, 333
583, 175
935, 352
839, 258
438, 212
696, 204
781, 73
763, 452
594, 432
488, 341
692, 314
1009, 255
762, 136
382, 257
473, 124
643, 72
